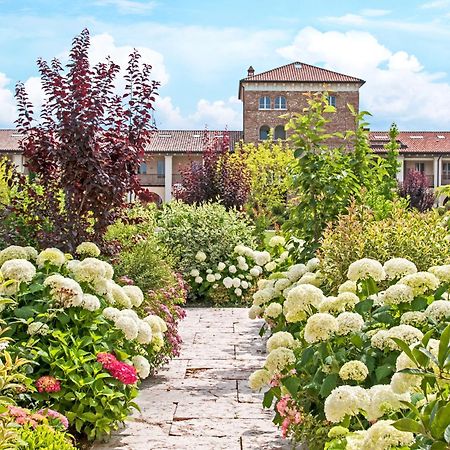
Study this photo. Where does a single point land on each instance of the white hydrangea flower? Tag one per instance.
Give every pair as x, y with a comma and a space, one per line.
349, 322
254, 312
439, 310
273, 310
398, 293
348, 286
210, 278
414, 318
354, 371
344, 301
280, 339
270, 266
283, 256
383, 436
366, 268
258, 379
88, 248
236, 282
278, 359
200, 256
398, 267
382, 339
19, 270
53, 256
145, 333
37, 328
281, 284
111, 313
158, 341
221, 266
402, 383
217, 276
255, 271
345, 401
128, 326
312, 264
109, 271
295, 272
240, 249
228, 282
311, 278
382, 400
261, 258
441, 272
320, 327
142, 366
90, 270
64, 291
238, 292
277, 240
14, 252
194, 273
232, 269
209, 271
91, 302
135, 294
421, 282
117, 295
300, 300
157, 324
244, 284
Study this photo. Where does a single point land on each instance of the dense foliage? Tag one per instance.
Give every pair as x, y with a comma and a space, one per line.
188, 229
420, 237
342, 368
330, 169
218, 177
268, 164
88, 341
85, 151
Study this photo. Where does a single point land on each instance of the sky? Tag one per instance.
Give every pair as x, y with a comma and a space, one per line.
200, 50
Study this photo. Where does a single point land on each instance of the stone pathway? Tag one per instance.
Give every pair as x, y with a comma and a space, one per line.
201, 399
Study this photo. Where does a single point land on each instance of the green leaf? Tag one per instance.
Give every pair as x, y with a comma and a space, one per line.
444, 346
307, 355
439, 445
408, 425
329, 383
383, 371
441, 421
268, 399
405, 347
364, 306
292, 384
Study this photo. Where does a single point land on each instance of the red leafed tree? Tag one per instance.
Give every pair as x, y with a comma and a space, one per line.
219, 177
415, 188
89, 140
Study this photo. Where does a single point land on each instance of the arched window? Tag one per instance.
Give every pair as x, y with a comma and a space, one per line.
264, 102
143, 168
280, 132
280, 102
264, 132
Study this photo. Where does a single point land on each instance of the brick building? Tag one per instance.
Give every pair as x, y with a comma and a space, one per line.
265, 97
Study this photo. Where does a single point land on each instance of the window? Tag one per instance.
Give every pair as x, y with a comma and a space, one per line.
446, 170
420, 167
161, 169
280, 132
332, 100
264, 103
143, 168
280, 102
264, 132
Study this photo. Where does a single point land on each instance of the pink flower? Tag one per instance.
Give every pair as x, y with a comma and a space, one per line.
119, 370
48, 384
55, 415
288, 410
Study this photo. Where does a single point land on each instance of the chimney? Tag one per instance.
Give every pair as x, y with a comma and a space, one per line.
250, 71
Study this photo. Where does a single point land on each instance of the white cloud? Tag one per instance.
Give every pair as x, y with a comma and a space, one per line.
129, 6
397, 89
8, 111
436, 4
217, 114
375, 12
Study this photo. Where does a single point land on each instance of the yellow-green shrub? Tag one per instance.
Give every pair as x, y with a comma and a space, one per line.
419, 237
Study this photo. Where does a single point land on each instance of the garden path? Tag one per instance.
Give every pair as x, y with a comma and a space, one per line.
201, 400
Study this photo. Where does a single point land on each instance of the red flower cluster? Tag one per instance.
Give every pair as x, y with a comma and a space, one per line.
48, 383
118, 369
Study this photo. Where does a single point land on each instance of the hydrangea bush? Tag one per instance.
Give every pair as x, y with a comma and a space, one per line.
339, 371
234, 279
89, 343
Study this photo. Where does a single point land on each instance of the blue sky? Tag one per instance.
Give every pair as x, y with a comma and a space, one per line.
200, 50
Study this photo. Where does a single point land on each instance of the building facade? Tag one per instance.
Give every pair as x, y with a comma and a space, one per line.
265, 97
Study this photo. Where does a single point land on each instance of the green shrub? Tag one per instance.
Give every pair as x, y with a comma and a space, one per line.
43, 437
420, 237
210, 228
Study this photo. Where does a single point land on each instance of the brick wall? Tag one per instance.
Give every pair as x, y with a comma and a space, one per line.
295, 103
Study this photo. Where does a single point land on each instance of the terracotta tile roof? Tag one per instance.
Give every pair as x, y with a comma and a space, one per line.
298, 71
430, 142
163, 141
9, 140
186, 141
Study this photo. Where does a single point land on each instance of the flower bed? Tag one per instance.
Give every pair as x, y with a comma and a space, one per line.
88, 340
361, 369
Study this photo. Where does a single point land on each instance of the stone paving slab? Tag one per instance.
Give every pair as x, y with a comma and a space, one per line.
201, 400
